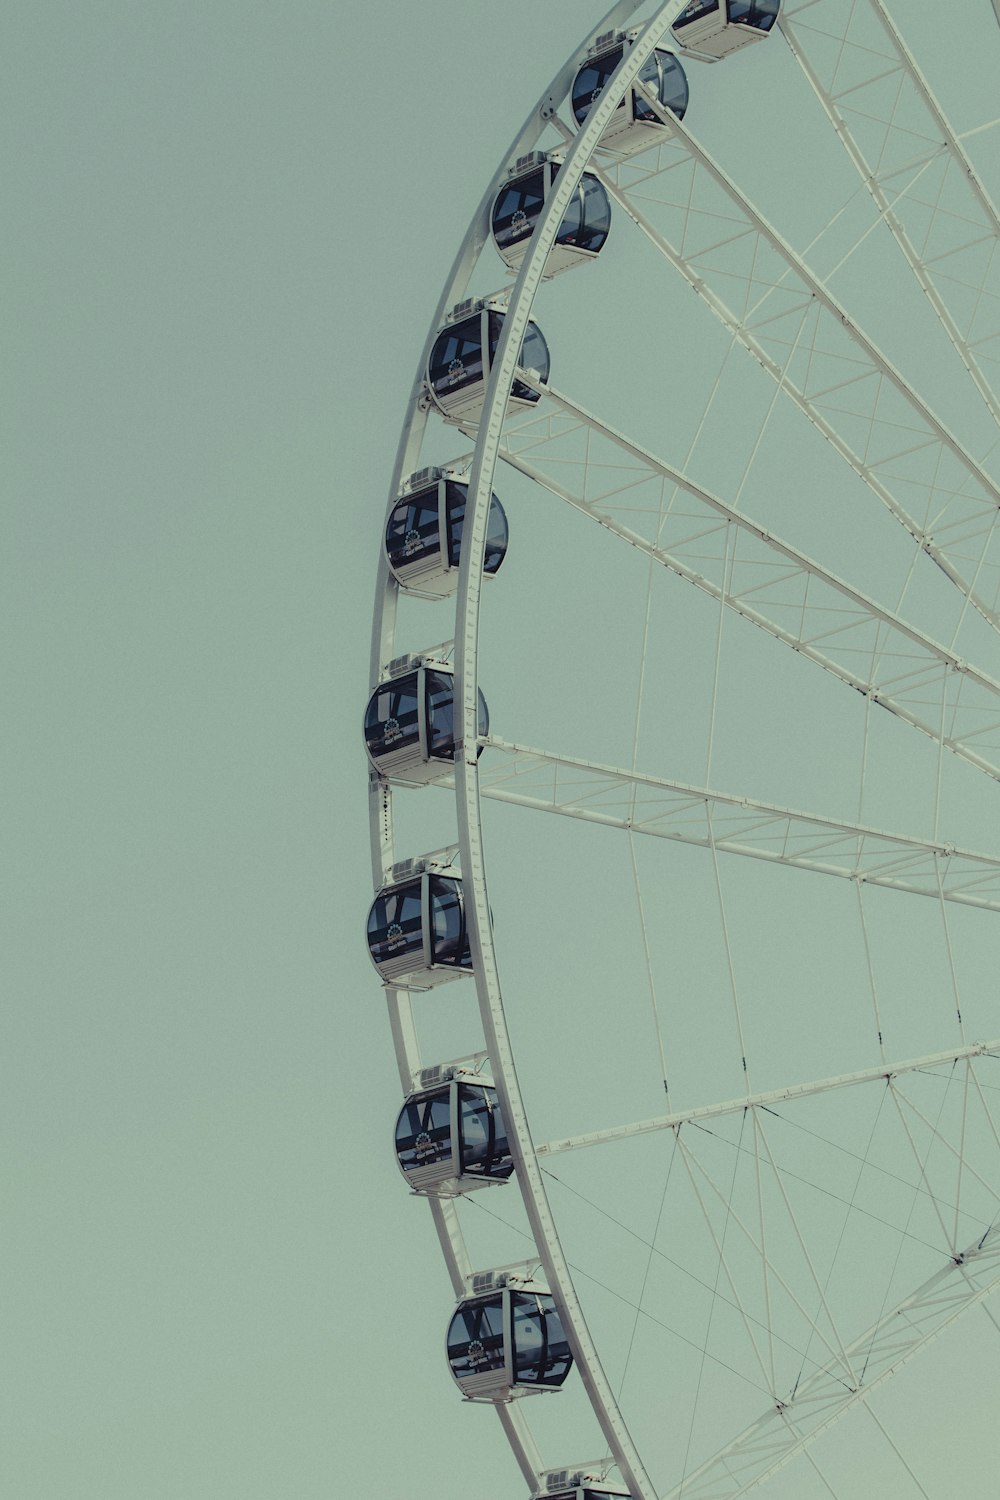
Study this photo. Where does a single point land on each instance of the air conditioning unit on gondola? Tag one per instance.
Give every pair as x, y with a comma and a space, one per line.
580, 1483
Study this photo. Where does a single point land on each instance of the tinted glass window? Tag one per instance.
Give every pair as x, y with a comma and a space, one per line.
457, 494
533, 355
423, 1132
440, 689
412, 530
541, 1351
588, 218
391, 720
673, 84
534, 352
457, 357
394, 923
496, 529
517, 207
482, 1136
663, 73
475, 1338
449, 944
496, 538
589, 83
759, 13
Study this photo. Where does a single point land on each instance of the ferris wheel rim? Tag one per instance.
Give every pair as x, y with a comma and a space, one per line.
380, 817
466, 640
485, 970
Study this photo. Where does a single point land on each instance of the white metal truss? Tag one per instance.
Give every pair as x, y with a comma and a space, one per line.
663, 512
765, 1100
731, 824
785, 316
913, 165
811, 1365
823, 1396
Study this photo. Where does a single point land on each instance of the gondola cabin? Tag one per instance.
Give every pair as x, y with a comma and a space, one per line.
410, 722
417, 936
518, 206
451, 1139
711, 29
508, 1343
462, 355
423, 536
634, 126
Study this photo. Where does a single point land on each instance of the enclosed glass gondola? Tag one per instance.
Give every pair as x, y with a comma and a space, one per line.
508, 1343
462, 355
417, 936
711, 29
451, 1139
518, 205
410, 723
634, 126
423, 536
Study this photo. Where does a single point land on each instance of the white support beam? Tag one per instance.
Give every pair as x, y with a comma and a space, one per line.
678, 1118
764, 579
618, 798
880, 109
787, 1428
791, 323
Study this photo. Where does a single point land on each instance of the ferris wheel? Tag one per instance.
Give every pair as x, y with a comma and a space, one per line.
722, 1156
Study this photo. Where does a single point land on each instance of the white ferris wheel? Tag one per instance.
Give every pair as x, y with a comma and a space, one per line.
711, 400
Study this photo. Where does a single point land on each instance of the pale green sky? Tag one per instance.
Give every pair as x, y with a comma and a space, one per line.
227, 228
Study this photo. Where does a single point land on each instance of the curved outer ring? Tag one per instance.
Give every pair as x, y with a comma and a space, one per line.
485, 967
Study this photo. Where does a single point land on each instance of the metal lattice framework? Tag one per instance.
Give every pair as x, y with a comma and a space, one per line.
744, 1182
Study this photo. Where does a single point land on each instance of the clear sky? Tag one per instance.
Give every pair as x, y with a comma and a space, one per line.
227, 227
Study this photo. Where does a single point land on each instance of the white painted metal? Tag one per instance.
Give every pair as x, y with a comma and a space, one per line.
804, 324
771, 1097
883, 87
732, 824
823, 1397
768, 582
712, 37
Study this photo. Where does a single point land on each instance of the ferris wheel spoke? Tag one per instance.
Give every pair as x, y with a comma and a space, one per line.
767, 297
619, 798
776, 1255
769, 1099
836, 1351
821, 1398
913, 165
661, 511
